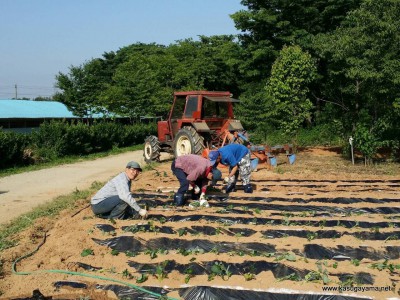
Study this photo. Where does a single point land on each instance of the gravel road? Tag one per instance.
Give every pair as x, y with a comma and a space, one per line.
21, 192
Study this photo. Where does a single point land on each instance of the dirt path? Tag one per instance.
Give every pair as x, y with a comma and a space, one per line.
21, 192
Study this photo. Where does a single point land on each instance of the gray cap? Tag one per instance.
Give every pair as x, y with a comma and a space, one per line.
134, 165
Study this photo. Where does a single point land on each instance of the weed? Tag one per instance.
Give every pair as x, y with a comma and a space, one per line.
393, 237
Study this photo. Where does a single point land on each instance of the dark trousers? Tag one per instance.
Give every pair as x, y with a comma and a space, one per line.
184, 183
113, 208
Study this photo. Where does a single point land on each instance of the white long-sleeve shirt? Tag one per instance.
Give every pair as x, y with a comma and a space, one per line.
119, 186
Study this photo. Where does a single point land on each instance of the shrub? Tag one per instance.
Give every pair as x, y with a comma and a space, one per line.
12, 146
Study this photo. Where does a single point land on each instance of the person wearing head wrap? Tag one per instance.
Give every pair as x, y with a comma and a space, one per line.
193, 172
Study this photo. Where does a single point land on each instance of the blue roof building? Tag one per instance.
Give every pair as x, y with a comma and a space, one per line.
26, 109
26, 115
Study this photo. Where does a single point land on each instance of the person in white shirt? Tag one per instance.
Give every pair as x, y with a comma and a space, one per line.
114, 200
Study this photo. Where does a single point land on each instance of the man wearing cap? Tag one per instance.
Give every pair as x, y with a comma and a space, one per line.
193, 170
237, 157
114, 200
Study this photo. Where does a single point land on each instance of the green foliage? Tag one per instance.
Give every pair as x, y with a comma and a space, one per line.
56, 139
219, 269
319, 135
87, 252
288, 89
366, 142
362, 71
354, 42
12, 148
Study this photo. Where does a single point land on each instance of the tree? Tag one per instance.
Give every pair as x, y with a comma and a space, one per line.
81, 88
269, 25
363, 69
288, 89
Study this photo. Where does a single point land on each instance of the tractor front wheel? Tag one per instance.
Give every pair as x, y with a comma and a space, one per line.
151, 150
188, 141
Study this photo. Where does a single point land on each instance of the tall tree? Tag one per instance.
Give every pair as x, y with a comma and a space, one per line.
269, 25
363, 69
288, 89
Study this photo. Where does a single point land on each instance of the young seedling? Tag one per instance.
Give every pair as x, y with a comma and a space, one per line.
355, 262
130, 253
160, 273
142, 278
249, 276
189, 273
219, 269
312, 235
292, 277
114, 252
182, 231
127, 274
87, 252
287, 256
152, 253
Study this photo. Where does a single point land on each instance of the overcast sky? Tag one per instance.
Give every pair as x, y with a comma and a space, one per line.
39, 38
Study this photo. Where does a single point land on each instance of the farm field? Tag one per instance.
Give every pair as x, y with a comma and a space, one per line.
308, 229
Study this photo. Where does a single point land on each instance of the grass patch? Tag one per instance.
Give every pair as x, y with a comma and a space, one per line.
49, 210
67, 160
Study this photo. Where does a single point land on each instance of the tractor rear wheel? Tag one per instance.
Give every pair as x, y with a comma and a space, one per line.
151, 150
188, 141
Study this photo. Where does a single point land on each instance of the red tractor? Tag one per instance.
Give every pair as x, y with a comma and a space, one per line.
198, 120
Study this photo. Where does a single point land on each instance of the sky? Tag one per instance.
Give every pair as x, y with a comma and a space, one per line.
40, 38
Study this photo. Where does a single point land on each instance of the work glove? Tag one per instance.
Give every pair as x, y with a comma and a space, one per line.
202, 196
204, 203
143, 213
226, 179
196, 189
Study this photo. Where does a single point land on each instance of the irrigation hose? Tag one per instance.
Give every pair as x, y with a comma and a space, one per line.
14, 270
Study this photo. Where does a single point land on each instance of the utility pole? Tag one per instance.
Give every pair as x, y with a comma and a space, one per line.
16, 92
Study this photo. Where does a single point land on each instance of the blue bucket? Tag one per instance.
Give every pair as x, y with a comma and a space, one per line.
254, 164
292, 158
272, 161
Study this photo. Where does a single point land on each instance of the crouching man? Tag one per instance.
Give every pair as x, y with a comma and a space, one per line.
114, 200
237, 157
195, 172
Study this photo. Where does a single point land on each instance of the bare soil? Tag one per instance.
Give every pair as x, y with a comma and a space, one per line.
321, 222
